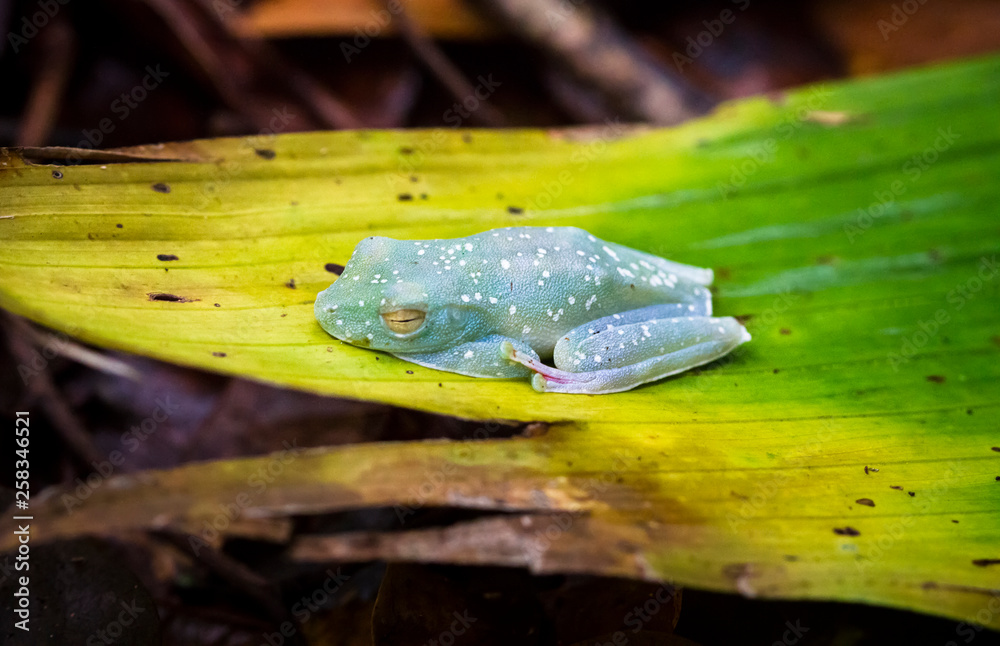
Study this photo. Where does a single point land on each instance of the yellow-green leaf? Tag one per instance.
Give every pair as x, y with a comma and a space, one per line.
849, 452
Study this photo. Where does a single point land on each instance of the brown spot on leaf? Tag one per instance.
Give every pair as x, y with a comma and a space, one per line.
170, 298
775, 371
118, 226
166, 257
846, 531
896, 487
160, 187
912, 494
986, 562
938, 379
995, 448
405, 150
218, 354
290, 284
515, 210
334, 268
865, 501
785, 331
217, 305
409, 372
264, 153
404, 197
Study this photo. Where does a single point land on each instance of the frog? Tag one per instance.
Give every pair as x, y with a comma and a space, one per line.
571, 312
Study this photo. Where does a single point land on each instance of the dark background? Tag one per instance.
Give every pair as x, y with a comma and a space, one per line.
110, 73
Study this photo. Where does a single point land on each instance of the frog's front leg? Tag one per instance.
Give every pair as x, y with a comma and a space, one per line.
480, 358
607, 355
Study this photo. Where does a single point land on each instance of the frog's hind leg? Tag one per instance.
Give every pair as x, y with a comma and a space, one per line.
614, 354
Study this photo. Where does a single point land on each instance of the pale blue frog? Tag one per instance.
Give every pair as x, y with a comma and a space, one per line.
496, 304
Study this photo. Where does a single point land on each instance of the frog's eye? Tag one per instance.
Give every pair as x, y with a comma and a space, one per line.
404, 321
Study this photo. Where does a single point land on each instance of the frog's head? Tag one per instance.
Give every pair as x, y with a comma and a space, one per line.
392, 299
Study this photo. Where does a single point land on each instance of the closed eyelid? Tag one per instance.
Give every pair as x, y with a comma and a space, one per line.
404, 321
389, 308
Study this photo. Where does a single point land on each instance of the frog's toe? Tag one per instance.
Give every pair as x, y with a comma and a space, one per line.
508, 351
539, 383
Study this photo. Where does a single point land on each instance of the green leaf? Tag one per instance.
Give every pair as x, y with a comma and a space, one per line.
848, 452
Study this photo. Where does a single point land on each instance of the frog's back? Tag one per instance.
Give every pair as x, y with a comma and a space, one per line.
559, 258
542, 282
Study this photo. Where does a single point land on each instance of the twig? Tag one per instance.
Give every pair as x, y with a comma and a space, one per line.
41, 386
178, 18
325, 106
84, 355
440, 66
56, 43
599, 52
236, 574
